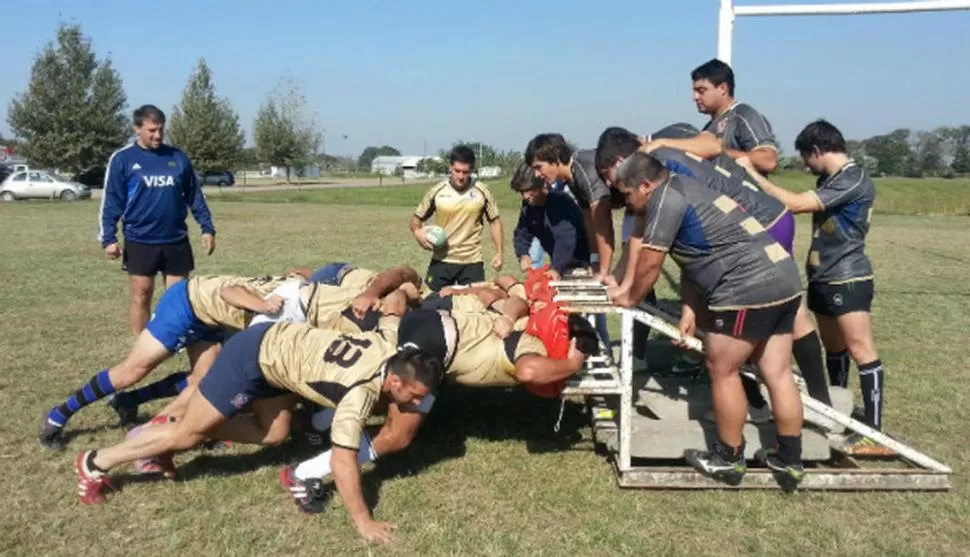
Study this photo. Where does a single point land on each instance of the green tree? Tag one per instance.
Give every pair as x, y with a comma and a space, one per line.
72, 114
960, 138
370, 153
285, 134
892, 151
205, 126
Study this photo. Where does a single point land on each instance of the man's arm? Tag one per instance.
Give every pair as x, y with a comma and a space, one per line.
804, 202
521, 237
114, 198
346, 475
498, 238
195, 199
491, 213
764, 159
649, 263
705, 145
242, 297
601, 215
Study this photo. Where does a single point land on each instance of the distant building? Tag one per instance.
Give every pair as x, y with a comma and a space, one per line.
308, 171
389, 165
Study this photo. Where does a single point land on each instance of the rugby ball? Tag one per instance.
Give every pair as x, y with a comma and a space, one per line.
437, 235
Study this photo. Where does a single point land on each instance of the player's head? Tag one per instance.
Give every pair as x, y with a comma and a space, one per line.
532, 188
634, 178
461, 164
713, 86
614, 145
149, 124
412, 374
587, 341
549, 155
815, 141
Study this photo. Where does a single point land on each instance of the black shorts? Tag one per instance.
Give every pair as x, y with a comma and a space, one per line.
441, 274
235, 378
754, 323
833, 300
147, 260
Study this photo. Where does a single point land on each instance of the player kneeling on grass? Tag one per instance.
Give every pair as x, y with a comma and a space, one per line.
350, 373
552, 348
191, 314
738, 284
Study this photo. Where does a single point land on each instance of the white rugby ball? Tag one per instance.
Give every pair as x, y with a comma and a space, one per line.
437, 235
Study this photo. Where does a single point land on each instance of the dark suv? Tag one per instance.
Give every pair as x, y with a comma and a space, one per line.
217, 178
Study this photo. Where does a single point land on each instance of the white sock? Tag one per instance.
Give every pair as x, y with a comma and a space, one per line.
319, 466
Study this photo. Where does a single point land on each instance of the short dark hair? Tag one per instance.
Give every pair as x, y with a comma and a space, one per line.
463, 154
587, 340
715, 71
413, 364
820, 135
548, 147
149, 113
614, 143
639, 168
525, 179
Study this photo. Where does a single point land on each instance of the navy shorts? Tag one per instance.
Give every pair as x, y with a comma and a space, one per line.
175, 325
235, 378
331, 273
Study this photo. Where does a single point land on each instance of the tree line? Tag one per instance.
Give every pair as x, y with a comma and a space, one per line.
74, 113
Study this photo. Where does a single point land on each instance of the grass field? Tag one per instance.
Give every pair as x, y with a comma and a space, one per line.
487, 475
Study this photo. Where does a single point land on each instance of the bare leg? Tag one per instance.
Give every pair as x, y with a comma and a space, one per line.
725, 356
142, 290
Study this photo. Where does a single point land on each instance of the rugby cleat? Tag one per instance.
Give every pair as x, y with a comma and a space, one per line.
309, 495
717, 465
127, 415
788, 475
91, 485
52, 435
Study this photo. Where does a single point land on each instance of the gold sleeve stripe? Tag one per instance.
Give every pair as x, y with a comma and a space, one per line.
752, 226
723, 171
750, 186
725, 204
776, 253
655, 248
693, 156
814, 259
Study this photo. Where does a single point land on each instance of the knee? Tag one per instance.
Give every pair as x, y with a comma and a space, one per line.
141, 296
128, 373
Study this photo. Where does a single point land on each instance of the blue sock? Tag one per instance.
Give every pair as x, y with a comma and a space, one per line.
163, 388
95, 389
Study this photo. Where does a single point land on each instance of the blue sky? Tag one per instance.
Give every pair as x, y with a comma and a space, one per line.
412, 74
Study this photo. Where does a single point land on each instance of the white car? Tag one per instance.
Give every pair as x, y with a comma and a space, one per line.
41, 185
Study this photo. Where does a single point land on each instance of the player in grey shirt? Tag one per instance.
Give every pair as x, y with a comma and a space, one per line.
724, 175
840, 277
743, 131
740, 286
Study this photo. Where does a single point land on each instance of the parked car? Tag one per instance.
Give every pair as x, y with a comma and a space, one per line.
4, 172
221, 178
44, 185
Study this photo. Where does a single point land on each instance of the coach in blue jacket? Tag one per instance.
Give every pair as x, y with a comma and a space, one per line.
554, 219
150, 186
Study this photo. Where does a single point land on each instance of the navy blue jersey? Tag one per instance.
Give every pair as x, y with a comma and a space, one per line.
151, 192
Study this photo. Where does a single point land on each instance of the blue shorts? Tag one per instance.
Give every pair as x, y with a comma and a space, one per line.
331, 273
235, 378
175, 325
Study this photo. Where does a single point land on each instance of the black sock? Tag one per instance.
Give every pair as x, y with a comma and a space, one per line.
641, 332
163, 388
729, 452
871, 377
95, 389
808, 355
838, 366
753, 393
790, 449
89, 463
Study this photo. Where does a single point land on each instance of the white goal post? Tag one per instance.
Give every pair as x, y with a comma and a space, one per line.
725, 26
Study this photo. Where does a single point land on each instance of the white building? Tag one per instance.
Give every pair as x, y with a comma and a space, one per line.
388, 165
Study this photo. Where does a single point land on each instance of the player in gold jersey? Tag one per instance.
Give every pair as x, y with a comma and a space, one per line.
351, 373
552, 348
191, 314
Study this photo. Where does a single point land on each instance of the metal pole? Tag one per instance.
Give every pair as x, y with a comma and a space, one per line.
852, 9
725, 31
626, 386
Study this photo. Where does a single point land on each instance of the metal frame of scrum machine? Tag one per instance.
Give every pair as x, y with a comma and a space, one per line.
608, 390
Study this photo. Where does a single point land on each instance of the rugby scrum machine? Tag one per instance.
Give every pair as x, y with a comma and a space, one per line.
646, 421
